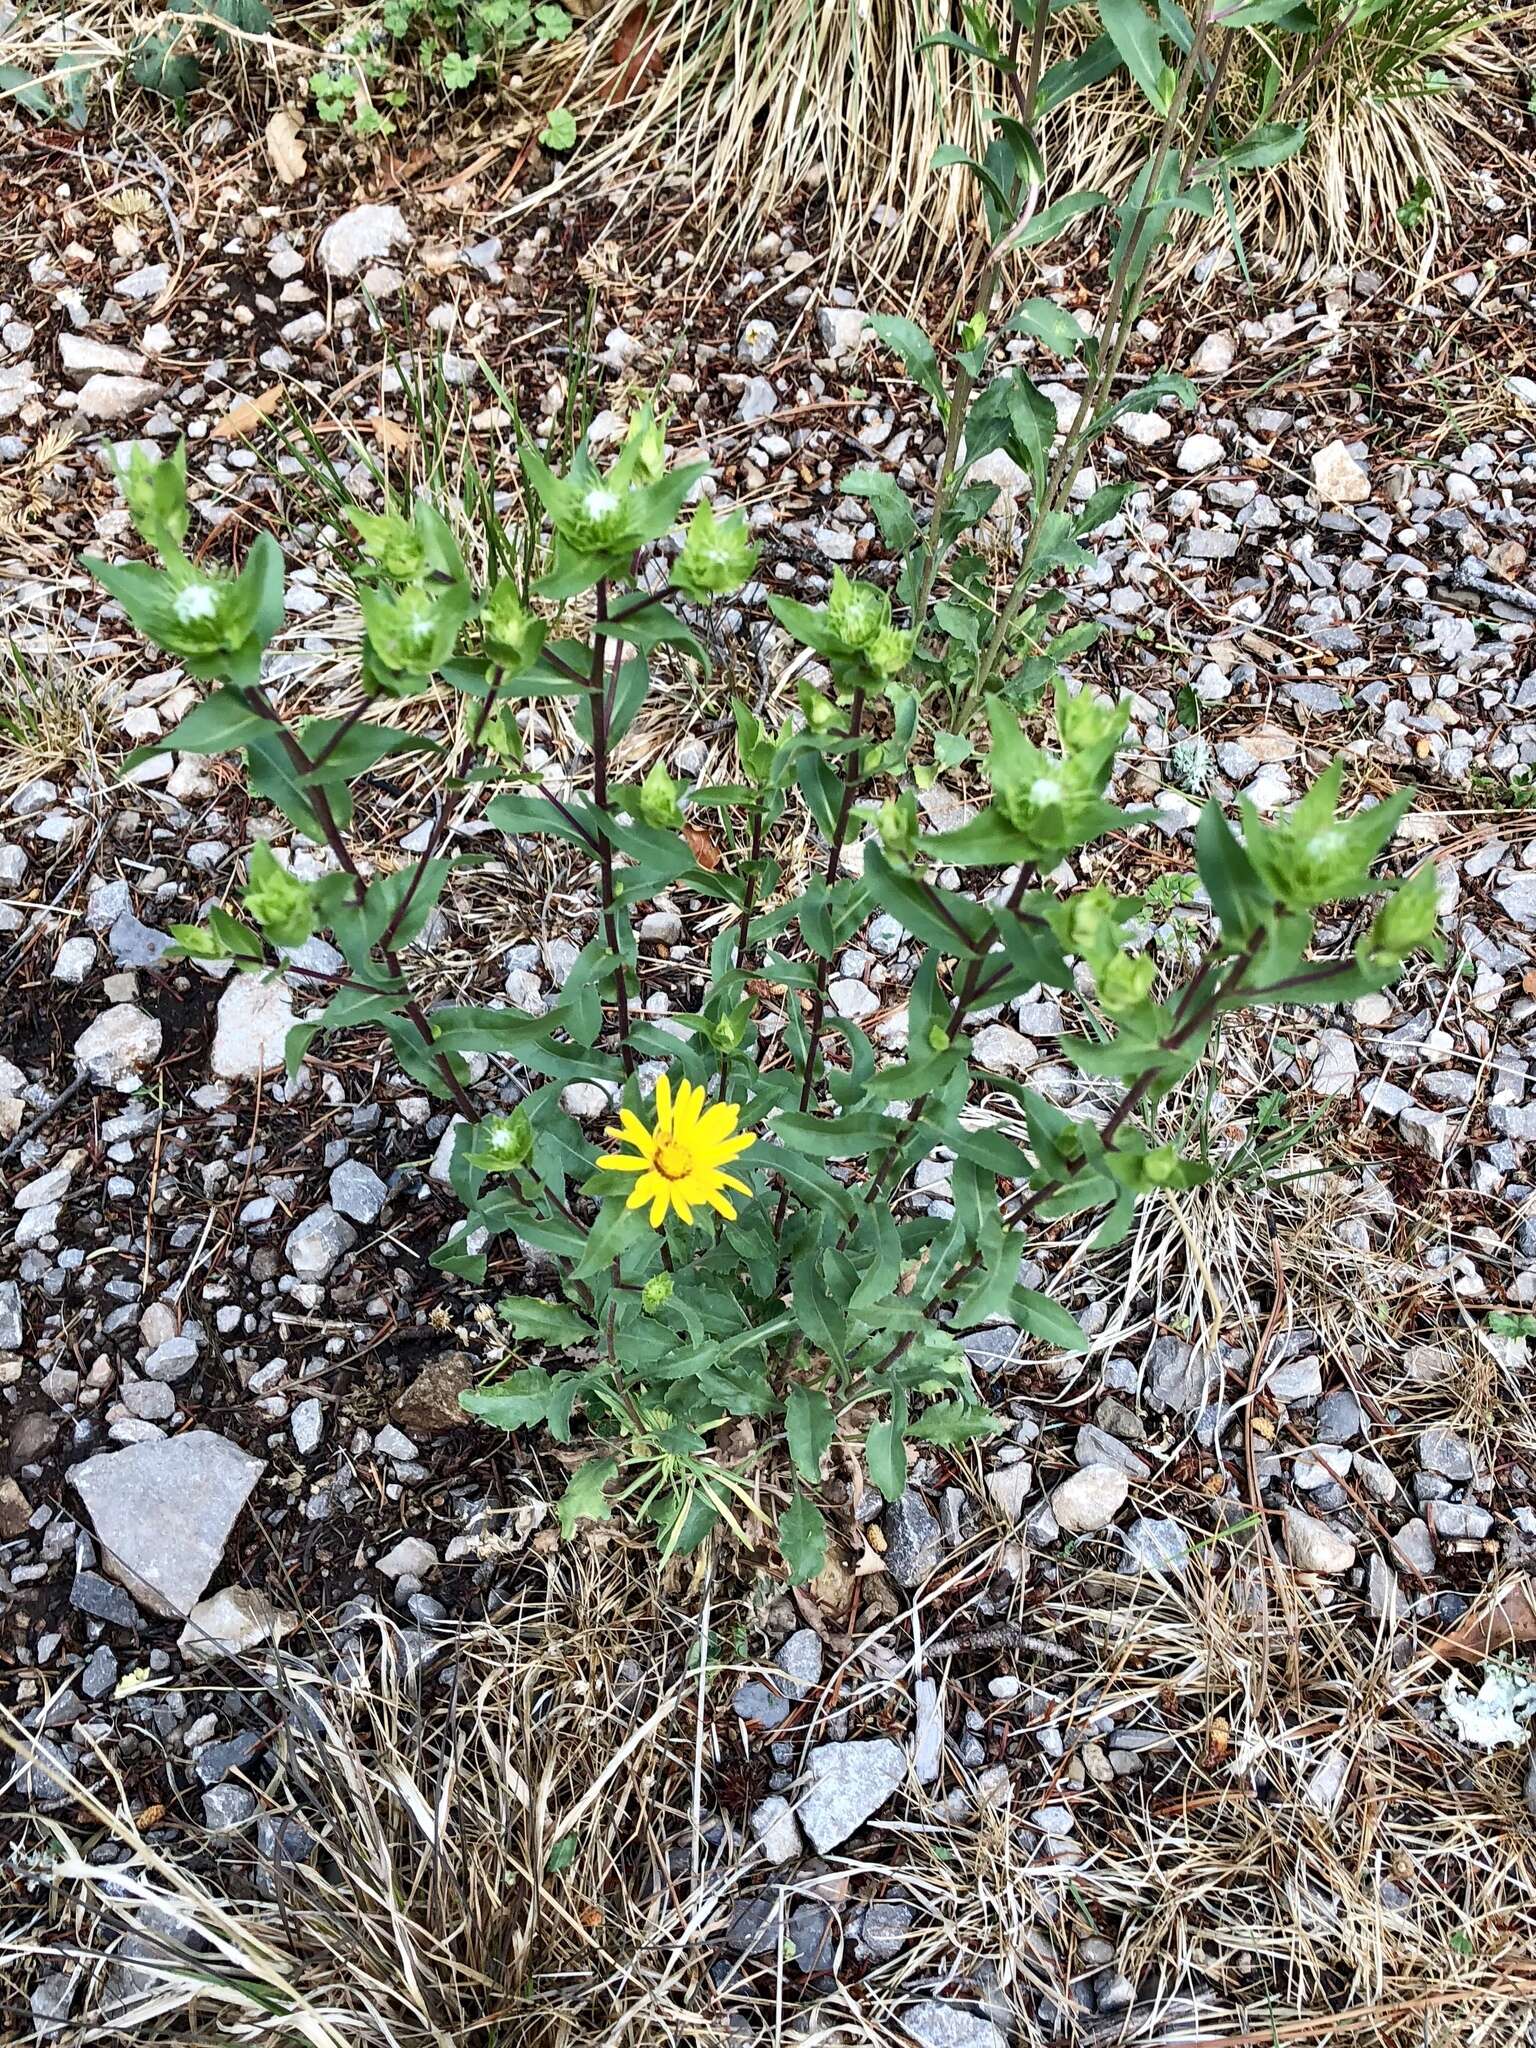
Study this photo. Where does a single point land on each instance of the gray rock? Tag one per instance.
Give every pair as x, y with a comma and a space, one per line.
115, 1050
52, 1997
1175, 1377
841, 329
1442, 1450
93, 1595
1339, 1417
412, 1554
314, 1245
307, 1426
226, 1807
795, 1671
230, 1623
365, 235
913, 1540
1096, 1446
80, 357
1462, 1521
357, 1191
12, 1330
217, 1759
884, 1930
172, 1360
811, 1942
163, 1511
1089, 1499
100, 1673
134, 945
848, 1781
758, 400
936, 2023
1414, 1548
1156, 1544
776, 1830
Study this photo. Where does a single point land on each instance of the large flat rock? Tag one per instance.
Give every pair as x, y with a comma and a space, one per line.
163, 1511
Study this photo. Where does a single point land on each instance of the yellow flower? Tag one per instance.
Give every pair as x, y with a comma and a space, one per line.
681, 1161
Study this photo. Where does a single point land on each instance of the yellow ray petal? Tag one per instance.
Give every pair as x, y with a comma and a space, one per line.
717, 1201
684, 1210
729, 1180
659, 1208
612, 1163
663, 1101
719, 1122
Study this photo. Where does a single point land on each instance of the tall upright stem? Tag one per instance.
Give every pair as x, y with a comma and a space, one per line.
597, 697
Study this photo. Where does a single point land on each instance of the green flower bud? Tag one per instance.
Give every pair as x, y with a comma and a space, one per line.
1125, 981
857, 612
939, 1039
500, 1144
510, 633
204, 615
391, 543
889, 652
896, 822
656, 1291
1160, 1167
643, 459
155, 492
1407, 922
659, 806
1086, 721
411, 632
1088, 924
717, 557
819, 713
277, 899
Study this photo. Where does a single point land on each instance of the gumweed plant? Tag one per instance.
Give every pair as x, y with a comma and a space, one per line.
743, 1279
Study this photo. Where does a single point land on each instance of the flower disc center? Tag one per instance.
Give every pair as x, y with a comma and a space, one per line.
673, 1161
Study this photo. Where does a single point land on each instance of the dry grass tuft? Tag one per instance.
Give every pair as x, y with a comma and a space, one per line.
493, 1825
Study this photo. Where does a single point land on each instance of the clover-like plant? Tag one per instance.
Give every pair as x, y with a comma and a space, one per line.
742, 1277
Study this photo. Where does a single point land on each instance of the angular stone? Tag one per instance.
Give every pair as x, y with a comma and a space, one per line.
162, 1512
849, 1781
1089, 1499
361, 237
357, 1191
1338, 478
254, 1018
314, 1245
117, 398
115, 1050
913, 1541
936, 2023
231, 1622
1156, 1544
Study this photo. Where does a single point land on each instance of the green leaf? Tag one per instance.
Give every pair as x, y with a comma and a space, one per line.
803, 1539
219, 724
1135, 35
525, 1399
1238, 896
1265, 147
1051, 324
1041, 1316
810, 1427
916, 352
956, 1422
543, 1322
585, 1499
23, 90
559, 131
889, 503
561, 1856
1050, 220
885, 1453
158, 67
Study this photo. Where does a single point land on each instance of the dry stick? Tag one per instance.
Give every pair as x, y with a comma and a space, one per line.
1124, 299
597, 698
824, 967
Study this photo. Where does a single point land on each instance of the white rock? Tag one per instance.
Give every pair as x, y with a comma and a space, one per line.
115, 1050
841, 329
1338, 478
1002, 1050
1216, 354
1200, 451
1143, 429
758, 343
362, 237
82, 358
76, 958
1313, 1546
117, 398
411, 1554
758, 400
585, 1100
232, 1622
254, 1019
1089, 1499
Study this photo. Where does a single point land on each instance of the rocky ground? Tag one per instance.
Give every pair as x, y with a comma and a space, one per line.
1130, 1727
